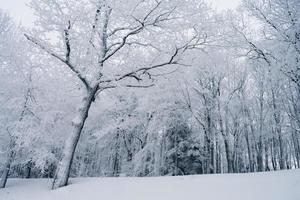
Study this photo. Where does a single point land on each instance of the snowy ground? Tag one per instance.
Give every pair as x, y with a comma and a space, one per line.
283, 185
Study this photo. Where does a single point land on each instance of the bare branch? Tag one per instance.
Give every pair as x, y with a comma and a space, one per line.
124, 39
65, 61
67, 42
143, 70
193, 43
144, 23
115, 31
139, 86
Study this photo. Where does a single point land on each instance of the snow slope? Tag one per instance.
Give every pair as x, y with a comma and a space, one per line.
284, 185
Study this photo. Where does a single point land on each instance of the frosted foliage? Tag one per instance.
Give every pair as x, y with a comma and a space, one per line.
114, 88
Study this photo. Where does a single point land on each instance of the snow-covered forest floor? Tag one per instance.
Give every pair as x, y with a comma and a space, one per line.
281, 185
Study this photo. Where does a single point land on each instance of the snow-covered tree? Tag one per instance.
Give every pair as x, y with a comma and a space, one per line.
88, 37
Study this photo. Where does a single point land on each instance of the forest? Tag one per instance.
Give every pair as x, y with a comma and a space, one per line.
147, 88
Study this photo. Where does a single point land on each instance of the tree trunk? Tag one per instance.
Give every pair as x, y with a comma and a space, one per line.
28, 167
296, 148
259, 146
228, 156
267, 168
6, 170
260, 149
226, 138
277, 114
116, 157
249, 149
5, 175
218, 157
274, 153
64, 166
281, 150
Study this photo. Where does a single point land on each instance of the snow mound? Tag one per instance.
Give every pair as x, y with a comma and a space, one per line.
283, 185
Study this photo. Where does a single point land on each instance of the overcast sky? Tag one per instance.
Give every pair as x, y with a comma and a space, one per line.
21, 13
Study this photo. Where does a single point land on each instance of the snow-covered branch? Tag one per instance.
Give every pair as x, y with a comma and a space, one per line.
64, 60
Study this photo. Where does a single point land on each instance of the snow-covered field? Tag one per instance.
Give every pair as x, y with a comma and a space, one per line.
283, 185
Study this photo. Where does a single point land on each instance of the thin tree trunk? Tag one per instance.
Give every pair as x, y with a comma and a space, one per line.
235, 158
267, 168
64, 166
260, 148
5, 175
276, 115
260, 163
228, 156
116, 165
296, 148
281, 151
274, 153
225, 134
249, 148
6, 170
252, 146
28, 170
11, 153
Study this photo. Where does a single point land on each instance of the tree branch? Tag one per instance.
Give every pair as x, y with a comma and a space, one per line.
65, 61
144, 23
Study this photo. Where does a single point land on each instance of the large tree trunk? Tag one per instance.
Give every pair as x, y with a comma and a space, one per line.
64, 166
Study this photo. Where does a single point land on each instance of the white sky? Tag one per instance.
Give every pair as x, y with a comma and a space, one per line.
21, 13
18, 10
224, 4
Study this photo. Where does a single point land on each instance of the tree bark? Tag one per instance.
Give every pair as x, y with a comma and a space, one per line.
64, 166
